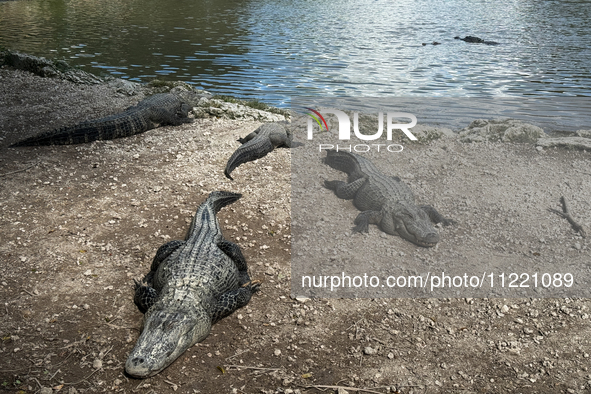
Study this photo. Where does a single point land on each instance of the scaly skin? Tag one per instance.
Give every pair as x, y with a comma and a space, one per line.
384, 200
192, 284
258, 144
162, 109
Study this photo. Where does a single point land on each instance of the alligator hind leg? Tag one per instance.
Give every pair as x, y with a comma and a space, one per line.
345, 190
234, 299
248, 137
364, 219
435, 216
145, 296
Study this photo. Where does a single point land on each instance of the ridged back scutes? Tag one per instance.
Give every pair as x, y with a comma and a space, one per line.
205, 216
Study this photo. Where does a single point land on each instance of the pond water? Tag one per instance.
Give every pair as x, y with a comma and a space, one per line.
273, 50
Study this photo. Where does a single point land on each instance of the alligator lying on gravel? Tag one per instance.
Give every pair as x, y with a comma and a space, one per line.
192, 284
476, 40
384, 200
258, 143
162, 109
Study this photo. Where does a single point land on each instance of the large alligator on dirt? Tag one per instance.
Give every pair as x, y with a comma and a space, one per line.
384, 200
162, 109
192, 284
259, 143
476, 40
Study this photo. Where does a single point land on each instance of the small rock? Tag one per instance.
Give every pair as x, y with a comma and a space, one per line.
504, 309
45, 390
97, 364
369, 350
277, 352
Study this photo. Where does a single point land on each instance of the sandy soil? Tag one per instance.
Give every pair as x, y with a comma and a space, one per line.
78, 223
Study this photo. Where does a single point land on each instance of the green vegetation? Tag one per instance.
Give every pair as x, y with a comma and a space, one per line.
255, 103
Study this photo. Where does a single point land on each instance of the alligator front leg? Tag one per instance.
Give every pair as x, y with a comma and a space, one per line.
345, 190
145, 296
364, 219
234, 299
435, 216
233, 251
163, 252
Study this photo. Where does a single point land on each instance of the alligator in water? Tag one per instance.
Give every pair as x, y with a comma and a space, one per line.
192, 284
384, 200
476, 40
259, 143
162, 109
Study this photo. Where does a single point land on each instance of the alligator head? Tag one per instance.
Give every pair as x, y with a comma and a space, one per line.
410, 222
166, 335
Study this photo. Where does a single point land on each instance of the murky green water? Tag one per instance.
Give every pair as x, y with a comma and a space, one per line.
276, 49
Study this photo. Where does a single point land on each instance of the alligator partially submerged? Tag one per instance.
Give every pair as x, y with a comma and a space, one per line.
259, 143
160, 109
384, 200
192, 284
476, 40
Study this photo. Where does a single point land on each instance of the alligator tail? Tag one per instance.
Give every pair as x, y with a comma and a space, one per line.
342, 161
108, 128
251, 150
81, 133
219, 199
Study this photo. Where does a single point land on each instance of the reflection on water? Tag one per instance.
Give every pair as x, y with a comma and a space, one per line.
276, 49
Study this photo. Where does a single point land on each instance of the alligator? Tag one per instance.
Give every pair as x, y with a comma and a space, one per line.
259, 143
384, 200
162, 109
191, 285
476, 40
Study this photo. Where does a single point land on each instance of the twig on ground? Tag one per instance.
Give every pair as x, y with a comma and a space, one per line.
17, 171
83, 379
40, 387
174, 386
28, 292
237, 354
321, 386
566, 214
255, 368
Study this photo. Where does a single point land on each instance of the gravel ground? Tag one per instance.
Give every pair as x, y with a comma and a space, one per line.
78, 223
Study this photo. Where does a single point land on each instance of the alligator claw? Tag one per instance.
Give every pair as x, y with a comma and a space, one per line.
253, 284
448, 222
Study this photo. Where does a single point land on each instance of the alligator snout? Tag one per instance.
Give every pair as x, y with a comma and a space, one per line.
430, 239
136, 361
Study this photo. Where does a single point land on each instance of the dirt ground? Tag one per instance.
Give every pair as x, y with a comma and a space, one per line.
79, 223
